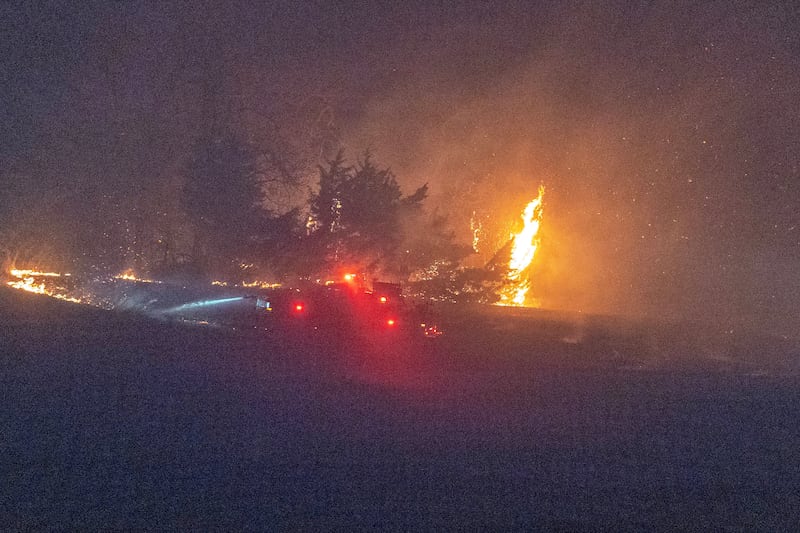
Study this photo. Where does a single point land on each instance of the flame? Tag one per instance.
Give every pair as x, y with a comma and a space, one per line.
17, 273
130, 275
127, 275
27, 281
523, 250
477, 229
260, 284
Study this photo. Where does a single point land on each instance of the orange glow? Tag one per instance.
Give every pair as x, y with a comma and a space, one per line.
127, 275
260, 284
349, 277
298, 307
390, 322
27, 281
247, 284
384, 299
523, 250
476, 227
130, 275
431, 330
17, 273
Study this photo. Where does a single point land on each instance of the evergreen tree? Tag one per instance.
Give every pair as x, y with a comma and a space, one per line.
223, 198
358, 217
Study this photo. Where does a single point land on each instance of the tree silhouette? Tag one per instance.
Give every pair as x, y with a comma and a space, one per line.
223, 197
359, 218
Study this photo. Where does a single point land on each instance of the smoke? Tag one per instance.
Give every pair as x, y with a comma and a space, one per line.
666, 135
664, 144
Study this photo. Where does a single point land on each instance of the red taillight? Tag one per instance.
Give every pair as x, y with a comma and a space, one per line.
390, 322
384, 299
298, 307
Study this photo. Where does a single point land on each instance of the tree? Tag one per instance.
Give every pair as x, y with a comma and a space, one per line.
360, 219
223, 196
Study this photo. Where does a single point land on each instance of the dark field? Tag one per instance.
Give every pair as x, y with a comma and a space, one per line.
512, 420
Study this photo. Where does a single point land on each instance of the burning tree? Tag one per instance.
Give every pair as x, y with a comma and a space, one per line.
520, 252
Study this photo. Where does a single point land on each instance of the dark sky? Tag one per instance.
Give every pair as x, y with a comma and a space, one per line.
667, 134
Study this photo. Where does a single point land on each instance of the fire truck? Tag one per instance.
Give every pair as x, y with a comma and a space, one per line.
346, 306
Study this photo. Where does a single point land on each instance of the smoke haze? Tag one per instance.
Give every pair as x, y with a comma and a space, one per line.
667, 137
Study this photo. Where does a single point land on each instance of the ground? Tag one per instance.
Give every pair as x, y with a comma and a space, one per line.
512, 420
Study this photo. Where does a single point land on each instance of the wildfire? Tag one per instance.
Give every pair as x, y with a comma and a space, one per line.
523, 250
248, 284
27, 281
130, 275
261, 284
17, 273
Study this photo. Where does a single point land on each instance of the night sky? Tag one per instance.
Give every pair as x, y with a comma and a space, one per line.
667, 135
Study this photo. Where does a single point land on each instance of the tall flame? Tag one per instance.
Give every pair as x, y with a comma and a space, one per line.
523, 250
